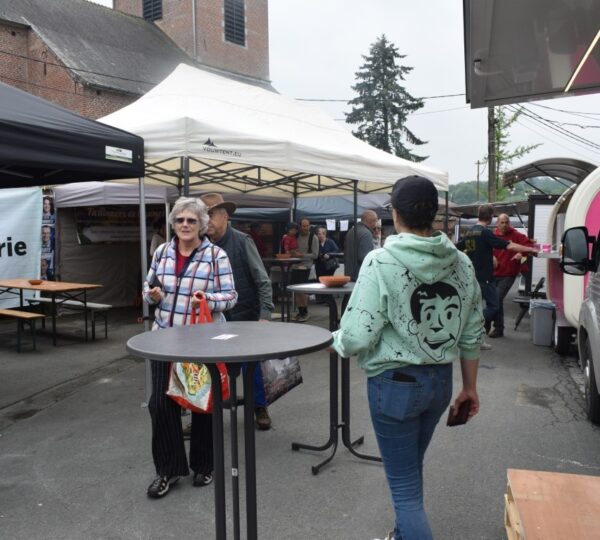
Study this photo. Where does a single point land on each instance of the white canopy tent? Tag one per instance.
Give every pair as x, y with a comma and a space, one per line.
229, 136
212, 133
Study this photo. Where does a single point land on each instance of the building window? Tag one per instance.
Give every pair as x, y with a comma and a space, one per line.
152, 10
235, 22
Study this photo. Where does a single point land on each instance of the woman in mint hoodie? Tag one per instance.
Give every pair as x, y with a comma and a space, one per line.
415, 309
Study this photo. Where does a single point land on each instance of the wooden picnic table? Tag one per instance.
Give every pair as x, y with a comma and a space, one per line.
59, 292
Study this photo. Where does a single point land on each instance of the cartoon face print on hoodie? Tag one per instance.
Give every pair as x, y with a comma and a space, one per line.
436, 322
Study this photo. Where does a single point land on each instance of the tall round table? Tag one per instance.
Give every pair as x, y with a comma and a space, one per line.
327, 294
231, 343
286, 268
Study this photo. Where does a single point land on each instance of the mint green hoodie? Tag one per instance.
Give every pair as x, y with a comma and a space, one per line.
416, 301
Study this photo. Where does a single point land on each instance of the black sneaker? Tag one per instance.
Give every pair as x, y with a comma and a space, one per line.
160, 486
496, 333
201, 479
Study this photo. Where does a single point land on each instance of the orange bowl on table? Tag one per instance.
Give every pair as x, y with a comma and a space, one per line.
334, 281
282, 255
35, 281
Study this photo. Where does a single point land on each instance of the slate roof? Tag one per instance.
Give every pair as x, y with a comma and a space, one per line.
105, 48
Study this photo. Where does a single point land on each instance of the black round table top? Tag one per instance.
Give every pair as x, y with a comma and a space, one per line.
230, 342
319, 288
275, 260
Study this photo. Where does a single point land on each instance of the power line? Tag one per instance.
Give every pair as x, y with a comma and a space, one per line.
79, 70
47, 87
553, 141
564, 110
550, 125
347, 100
571, 140
419, 114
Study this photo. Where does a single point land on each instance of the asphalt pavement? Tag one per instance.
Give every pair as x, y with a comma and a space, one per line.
75, 456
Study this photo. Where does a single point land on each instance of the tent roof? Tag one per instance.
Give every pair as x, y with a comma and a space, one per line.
42, 143
510, 208
244, 138
105, 193
573, 170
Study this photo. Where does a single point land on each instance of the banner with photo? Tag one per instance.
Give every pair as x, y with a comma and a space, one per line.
20, 238
48, 236
110, 224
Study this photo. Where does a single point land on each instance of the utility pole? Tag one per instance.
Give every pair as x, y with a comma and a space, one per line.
491, 156
478, 164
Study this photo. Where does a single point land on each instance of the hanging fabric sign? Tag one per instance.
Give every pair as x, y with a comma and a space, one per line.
20, 238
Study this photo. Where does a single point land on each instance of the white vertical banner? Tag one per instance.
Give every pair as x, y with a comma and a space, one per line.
20, 237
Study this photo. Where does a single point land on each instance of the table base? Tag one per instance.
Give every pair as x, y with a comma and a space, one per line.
334, 424
233, 371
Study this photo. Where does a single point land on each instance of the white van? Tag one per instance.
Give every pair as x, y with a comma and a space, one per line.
581, 257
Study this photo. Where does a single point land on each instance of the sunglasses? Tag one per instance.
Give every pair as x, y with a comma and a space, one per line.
182, 220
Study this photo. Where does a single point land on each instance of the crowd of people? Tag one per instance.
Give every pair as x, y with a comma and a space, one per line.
416, 308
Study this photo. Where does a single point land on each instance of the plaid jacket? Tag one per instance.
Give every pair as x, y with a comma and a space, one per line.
209, 271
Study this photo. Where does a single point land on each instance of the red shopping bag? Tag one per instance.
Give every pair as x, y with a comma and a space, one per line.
190, 383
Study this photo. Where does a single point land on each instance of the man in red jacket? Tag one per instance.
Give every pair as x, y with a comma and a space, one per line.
508, 265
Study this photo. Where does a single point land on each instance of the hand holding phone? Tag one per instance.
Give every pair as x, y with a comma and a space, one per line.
460, 417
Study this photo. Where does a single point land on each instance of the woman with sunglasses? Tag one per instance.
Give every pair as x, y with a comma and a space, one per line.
182, 272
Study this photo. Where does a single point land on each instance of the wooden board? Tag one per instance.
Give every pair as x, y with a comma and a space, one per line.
15, 314
552, 506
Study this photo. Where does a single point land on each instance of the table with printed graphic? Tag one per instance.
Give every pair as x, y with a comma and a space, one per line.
231, 343
59, 292
328, 296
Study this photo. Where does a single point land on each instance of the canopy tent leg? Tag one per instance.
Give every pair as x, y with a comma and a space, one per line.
167, 227
144, 269
355, 216
186, 176
446, 215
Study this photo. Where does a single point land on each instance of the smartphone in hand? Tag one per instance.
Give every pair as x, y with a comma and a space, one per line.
461, 417
155, 282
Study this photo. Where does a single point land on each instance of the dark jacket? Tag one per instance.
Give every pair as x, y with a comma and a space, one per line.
251, 280
365, 245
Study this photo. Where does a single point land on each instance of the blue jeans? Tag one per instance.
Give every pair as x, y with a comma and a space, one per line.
260, 398
404, 416
503, 285
489, 293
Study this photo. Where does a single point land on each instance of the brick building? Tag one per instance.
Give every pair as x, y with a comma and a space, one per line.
95, 60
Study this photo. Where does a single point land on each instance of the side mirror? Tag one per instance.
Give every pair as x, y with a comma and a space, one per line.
575, 251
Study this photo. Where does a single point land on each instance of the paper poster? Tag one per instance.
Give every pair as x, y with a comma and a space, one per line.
330, 224
343, 225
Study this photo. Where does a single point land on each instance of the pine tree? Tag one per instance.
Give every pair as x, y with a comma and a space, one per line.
382, 106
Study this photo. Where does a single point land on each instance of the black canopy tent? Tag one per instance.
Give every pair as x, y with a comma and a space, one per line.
44, 144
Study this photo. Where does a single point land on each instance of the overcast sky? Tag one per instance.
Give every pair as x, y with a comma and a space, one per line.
316, 48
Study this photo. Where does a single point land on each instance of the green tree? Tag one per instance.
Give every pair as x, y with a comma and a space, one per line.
382, 106
503, 122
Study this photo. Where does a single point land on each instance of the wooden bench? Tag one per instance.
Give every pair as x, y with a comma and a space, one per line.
22, 318
93, 308
551, 506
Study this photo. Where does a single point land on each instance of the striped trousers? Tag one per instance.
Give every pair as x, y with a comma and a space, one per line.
168, 449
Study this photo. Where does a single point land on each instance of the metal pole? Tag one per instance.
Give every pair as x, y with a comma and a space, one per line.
186, 176
491, 155
194, 46
446, 217
167, 228
295, 207
144, 269
354, 232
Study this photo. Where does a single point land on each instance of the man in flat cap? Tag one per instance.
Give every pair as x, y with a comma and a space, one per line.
252, 283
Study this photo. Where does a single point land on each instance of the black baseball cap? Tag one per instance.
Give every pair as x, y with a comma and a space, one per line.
414, 191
